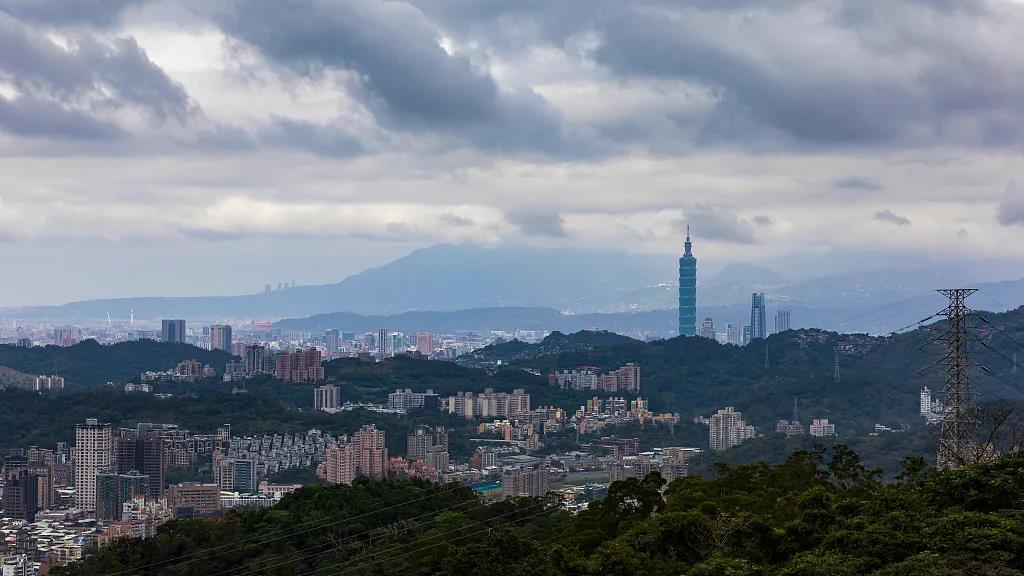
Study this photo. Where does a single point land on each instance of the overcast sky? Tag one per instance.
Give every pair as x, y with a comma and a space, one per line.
197, 147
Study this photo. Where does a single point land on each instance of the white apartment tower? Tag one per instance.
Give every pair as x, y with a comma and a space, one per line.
94, 453
727, 429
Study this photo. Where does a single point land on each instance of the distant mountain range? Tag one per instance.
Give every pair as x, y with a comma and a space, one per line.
468, 287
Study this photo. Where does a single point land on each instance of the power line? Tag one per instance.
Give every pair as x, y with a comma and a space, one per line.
337, 544
360, 565
286, 533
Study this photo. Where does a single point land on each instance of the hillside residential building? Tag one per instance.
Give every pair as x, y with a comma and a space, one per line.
727, 429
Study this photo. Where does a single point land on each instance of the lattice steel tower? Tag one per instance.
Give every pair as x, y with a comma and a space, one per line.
959, 423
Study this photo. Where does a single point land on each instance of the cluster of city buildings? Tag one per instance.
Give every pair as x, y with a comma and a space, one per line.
61, 504
624, 379
727, 428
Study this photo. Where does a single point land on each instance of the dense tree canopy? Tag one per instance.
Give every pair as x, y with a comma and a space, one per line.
818, 513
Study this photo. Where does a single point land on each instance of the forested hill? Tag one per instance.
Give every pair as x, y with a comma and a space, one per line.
89, 363
816, 514
879, 377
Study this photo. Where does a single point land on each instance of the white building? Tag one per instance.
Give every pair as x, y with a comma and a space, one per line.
94, 452
326, 398
822, 428
727, 429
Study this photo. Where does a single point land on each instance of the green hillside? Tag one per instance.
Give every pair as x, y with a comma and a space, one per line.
90, 363
815, 514
880, 379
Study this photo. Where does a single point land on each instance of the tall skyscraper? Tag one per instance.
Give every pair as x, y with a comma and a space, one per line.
94, 453
172, 331
331, 343
707, 330
782, 321
220, 337
688, 290
758, 327
382, 344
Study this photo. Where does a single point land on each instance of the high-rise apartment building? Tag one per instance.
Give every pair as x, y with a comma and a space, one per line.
21, 494
383, 341
339, 465
365, 454
299, 366
727, 429
425, 343
782, 321
687, 290
172, 331
419, 443
94, 453
220, 337
707, 330
326, 398
258, 360
525, 480
141, 450
332, 343
758, 328
370, 451
113, 490
733, 334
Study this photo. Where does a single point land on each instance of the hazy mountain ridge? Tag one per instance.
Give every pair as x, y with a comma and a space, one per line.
565, 290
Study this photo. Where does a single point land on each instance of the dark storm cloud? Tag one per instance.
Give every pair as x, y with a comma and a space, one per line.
59, 12
407, 78
762, 220
64, 92
890, 217
855, 183
715, 223
537, 223
859, 72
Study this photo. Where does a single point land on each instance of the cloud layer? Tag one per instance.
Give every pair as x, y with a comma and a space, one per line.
791, 127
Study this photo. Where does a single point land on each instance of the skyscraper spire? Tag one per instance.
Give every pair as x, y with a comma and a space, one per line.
688, 289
